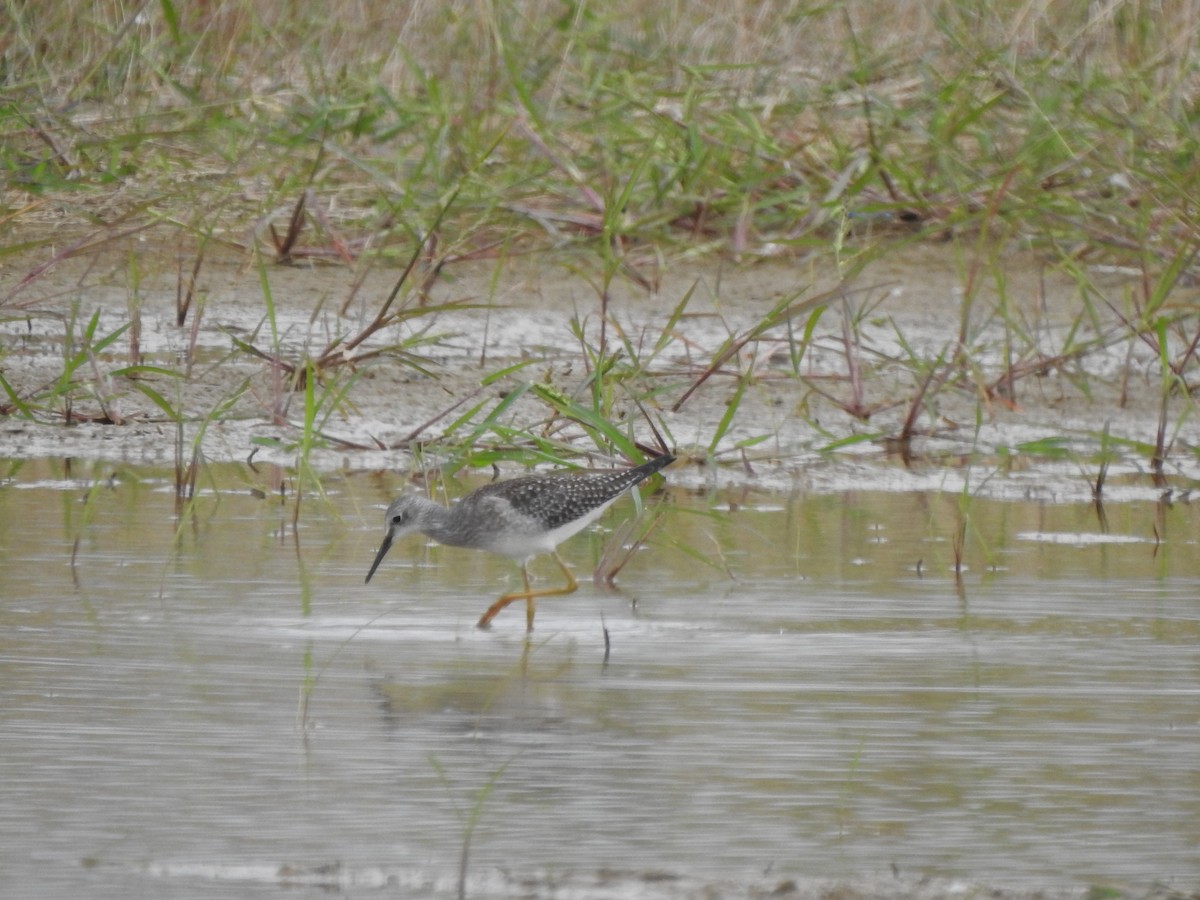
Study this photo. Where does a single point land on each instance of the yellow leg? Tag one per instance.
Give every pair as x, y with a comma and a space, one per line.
529, 596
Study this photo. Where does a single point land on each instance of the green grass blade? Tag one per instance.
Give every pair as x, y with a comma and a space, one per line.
731, 409
25, 410
607, 437
157, 399
851, 441
489, 422
144, 369
171, 17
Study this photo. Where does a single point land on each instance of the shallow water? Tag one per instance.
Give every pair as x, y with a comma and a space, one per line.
796, 686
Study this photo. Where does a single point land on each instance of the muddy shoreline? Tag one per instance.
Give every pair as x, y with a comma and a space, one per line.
533, 316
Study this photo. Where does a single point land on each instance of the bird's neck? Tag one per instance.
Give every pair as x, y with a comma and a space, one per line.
434, 521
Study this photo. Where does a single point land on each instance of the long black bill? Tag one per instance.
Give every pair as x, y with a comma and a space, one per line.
383, 549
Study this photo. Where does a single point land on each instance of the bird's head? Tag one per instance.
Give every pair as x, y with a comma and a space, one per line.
400, 519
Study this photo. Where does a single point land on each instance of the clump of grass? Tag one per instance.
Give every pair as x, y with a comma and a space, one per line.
695, 128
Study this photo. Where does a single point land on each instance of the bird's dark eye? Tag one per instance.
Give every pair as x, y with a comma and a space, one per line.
398, 519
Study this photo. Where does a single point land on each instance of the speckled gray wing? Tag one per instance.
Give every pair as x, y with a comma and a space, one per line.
554, 500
